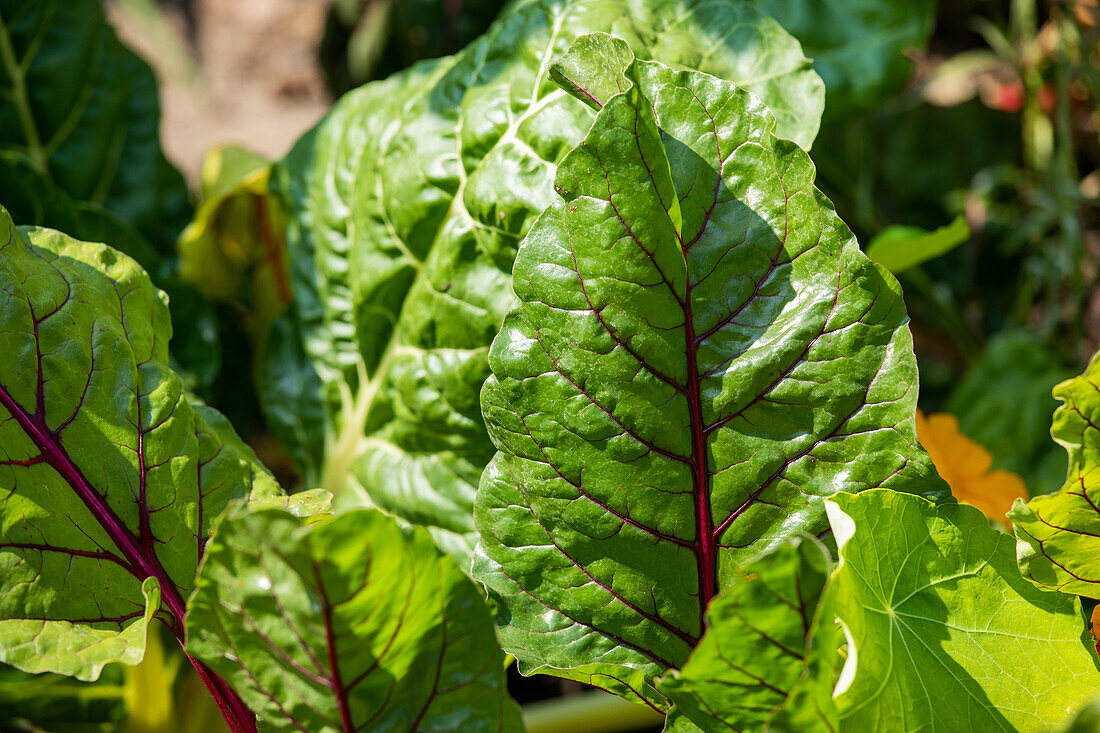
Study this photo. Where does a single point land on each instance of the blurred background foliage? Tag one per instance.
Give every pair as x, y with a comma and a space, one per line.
961, 142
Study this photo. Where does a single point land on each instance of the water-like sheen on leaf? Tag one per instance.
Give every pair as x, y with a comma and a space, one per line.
1059, 534
944, 634
352, 624
700, 354
406, 206
110, 477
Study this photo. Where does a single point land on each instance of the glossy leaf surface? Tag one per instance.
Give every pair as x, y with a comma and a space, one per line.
943, 632
1059, 534
699, 355
756, 662
109, 476
83, 111
351, 624
407, 204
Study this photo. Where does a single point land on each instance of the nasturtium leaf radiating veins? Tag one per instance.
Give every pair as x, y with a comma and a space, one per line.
406, 205
699, 355
767, 661
1058, 534
943, 632
348, 625
110, 476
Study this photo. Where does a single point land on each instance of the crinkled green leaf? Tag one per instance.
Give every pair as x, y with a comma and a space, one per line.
754, 662
1059, 534
83, 111
351, 624
407, 204
857, 47
110, 477
899, 248
700, 354
943, 632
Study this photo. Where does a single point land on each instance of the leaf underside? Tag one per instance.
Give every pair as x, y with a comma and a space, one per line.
349, 625
756, 668
407, 205
699, 355
110, 477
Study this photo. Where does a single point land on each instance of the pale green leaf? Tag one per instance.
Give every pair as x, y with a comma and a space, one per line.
899, 248
943, 632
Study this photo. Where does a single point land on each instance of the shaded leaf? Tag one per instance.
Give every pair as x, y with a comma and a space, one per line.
756, 662
1059, 534
351, 624
110, 477
964, 465
941, 627
83, 110
899, 248
406, 206
699, 355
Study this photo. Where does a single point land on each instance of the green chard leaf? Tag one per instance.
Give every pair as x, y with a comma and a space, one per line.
943, 632
766, 658
350, 624
1058, 535
406, 206
700, 354
81, 109
110, 477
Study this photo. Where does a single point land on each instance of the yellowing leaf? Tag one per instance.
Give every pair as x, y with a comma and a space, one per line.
964, 464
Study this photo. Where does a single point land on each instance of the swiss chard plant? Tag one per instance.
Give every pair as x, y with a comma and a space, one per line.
583, 374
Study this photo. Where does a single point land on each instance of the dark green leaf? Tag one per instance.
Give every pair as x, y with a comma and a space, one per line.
83, 110
857, 47
700, 354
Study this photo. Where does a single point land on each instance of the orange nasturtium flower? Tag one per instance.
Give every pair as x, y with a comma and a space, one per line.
964, 465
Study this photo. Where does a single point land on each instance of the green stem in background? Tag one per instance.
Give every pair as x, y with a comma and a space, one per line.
592, 712
17, 75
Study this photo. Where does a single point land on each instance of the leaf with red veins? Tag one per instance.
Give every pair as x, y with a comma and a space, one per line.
700, 355
1058, 535
110, 477
347, 624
